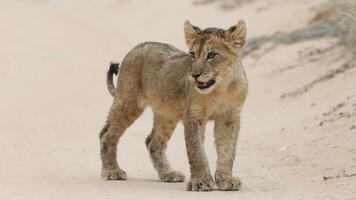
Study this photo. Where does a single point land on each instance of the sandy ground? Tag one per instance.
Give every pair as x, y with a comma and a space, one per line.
53, 58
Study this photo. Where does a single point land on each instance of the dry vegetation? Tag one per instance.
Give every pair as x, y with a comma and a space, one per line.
343, 14
335, 19
223, 4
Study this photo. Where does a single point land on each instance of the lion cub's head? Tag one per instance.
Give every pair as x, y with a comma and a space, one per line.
214, 52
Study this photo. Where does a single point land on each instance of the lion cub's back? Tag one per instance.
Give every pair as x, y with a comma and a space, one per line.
148, 57
155, 70
155, 52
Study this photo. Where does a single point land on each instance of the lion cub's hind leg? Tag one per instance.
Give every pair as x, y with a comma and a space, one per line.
156, 144
121, 116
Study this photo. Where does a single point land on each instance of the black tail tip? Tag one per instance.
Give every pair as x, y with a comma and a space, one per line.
114, 68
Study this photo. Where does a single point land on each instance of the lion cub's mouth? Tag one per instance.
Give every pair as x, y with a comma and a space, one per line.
205, 85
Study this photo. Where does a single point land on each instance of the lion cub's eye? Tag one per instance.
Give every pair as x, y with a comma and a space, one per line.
211, 55
192, 54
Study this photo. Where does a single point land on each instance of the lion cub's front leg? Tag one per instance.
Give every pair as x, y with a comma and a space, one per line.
226, 131
194, 127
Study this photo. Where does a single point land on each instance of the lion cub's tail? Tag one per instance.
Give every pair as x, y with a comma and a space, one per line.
113, 69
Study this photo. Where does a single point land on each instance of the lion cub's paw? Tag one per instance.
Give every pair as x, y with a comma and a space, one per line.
114, 174
202, 183
173, 177
229, 184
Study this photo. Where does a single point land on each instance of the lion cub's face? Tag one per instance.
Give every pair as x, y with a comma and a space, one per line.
214, 53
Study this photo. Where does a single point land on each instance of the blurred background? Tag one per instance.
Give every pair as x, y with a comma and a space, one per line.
298, 131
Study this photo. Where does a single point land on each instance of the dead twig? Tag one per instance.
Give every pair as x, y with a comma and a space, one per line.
331, 74
325, 178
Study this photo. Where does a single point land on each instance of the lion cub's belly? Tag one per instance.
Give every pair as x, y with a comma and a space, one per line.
166, 99
168, 107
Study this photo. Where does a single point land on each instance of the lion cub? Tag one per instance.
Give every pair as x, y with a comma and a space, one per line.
208, 83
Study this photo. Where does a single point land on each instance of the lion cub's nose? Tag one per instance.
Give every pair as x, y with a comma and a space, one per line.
195, 75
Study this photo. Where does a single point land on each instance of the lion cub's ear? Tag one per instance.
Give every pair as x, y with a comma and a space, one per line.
191, 33
238, 34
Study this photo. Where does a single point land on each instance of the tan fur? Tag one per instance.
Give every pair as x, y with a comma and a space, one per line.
161, 76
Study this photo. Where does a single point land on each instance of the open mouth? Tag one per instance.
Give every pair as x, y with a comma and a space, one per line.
205, 85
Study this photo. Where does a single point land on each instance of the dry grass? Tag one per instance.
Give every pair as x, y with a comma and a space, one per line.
348, 20
223, 4
344, 12
337, 18
340, 15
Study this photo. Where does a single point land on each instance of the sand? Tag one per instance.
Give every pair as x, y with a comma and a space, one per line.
53, 59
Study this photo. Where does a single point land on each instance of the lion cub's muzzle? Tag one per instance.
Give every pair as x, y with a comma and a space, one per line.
205, 85
201, 83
